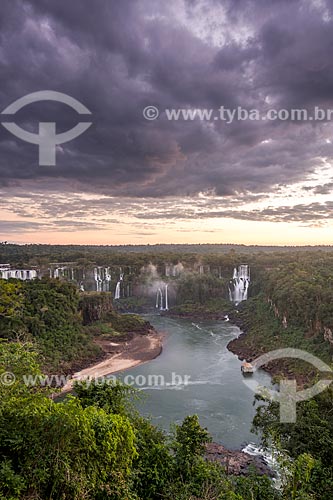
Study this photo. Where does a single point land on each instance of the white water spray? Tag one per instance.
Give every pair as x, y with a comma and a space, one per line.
162, 302
117, 291
239, 285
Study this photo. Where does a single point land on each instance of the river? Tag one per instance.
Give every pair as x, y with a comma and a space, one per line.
214, 389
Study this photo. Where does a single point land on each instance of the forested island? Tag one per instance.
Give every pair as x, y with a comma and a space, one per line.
93, 443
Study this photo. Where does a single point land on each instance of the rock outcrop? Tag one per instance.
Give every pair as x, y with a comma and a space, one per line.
95, 306
237, 463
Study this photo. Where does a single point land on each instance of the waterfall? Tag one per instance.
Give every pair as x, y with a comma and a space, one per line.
102, 277
117, 291
160, 299
238, 289
98, 279
174, 269
20, 274
107, 274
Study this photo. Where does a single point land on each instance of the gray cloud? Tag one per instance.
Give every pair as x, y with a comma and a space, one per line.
117, 57
312, 214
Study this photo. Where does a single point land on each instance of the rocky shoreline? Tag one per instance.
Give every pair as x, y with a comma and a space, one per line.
237, 463
238, 346
277, 368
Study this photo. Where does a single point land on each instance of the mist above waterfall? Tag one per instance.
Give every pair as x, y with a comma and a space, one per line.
174, 269
162, 299
150, 270
156, 287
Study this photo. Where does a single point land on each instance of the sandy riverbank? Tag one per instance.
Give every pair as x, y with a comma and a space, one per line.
121, 355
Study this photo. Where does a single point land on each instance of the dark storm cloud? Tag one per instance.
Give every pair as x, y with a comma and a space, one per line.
117, 57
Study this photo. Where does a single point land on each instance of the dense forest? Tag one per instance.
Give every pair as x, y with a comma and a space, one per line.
95, 445
57, 320
10, 252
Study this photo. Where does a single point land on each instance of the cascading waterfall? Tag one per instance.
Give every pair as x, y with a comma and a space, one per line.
160, 300
20, 274
98, 279
117, 291
106, 279
107, 274
239, 285
102, 277
270, 457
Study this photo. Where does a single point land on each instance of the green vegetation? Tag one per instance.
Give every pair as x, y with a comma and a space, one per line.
94, 446
50, 313
217, 307
133, 304
95, 306
293, 308
302, 292
201, 289
117, 325
309, 439
46, 312
265, 332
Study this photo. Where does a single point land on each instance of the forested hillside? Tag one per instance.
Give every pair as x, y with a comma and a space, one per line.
46, 312
61, 323
95, 445
302, 293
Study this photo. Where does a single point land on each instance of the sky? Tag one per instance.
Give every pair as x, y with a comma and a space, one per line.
129, 179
